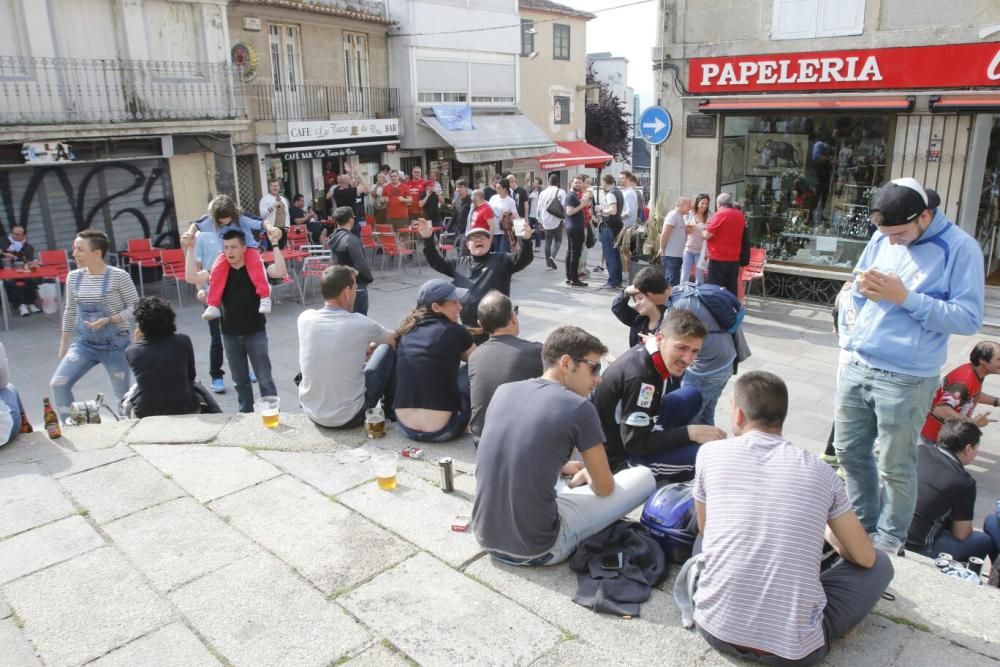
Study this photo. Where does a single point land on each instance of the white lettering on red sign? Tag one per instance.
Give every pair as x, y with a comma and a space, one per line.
803, 70
993, 73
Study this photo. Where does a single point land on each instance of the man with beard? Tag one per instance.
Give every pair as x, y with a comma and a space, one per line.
482, 270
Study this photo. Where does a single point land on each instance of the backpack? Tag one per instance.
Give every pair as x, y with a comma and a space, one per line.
723, 304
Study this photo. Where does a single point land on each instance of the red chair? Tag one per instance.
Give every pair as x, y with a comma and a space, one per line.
753, 271
172, 260
384, 229
392, 248
313, 267
368, 240
446, 243
142, 254
297, 236
60, 260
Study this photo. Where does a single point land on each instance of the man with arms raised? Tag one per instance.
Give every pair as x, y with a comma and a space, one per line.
532, 428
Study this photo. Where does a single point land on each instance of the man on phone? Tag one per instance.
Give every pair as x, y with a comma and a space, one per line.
919, 280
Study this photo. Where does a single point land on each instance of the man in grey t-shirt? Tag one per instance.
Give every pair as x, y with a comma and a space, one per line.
337, 387
532, 428
672, 240
503, 358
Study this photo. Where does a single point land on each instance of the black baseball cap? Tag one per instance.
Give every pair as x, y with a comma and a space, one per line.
900, 201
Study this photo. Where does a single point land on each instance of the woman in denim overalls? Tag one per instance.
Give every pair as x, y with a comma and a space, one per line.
98, 335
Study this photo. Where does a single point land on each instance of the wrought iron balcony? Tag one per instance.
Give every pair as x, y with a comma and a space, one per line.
313, 101
72, 90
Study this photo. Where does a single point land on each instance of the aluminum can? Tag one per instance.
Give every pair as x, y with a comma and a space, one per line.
447, 474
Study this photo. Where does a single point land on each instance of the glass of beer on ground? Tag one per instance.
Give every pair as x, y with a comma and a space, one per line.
384, 467
268, 408
375, 422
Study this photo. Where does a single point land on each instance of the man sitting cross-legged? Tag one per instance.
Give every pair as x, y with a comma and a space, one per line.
532, 428
503, 358
337, 388
646, 414
764, 507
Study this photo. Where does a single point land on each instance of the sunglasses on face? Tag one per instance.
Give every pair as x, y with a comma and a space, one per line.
595, 366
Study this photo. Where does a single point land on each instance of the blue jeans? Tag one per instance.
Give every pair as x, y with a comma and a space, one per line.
691, 262
978, 544
678, 408
672, 268
238, 350
711, 387
10, 396
890, 407
500, 243
80, 358
458, 422
379, 384
612, 257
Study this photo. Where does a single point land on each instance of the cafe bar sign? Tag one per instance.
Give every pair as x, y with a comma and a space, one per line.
904, 68
340, 130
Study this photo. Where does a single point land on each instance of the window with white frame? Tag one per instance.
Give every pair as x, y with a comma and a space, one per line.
356, 59
442, 81
560, 110
806, 19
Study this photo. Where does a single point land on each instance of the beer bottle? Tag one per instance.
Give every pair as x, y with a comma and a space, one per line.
25, 424
51, 420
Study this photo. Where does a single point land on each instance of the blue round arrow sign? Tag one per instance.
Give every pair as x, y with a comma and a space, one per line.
655, 125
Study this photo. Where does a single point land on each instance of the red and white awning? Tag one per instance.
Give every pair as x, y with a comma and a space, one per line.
574, 154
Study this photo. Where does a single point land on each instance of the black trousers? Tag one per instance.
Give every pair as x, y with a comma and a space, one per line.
724, 274
574, 250
215, 349
22, 292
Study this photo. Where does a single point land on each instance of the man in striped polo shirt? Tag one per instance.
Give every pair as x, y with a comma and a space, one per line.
764, 507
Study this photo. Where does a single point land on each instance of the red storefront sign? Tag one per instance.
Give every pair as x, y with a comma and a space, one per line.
904, 68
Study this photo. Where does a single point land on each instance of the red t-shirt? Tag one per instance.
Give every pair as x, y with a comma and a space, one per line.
416, 190
395, 208
959, 390
727, 227
482, 218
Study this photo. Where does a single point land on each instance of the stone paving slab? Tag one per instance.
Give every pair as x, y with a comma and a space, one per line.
71, 463
28, 447
178, 541
15, 649
437, 616
38, 548
924, 650
120, 488
379, 655
95, 436
418, 512
179, 429
295, 432
81, 609
29, 498
172, 646
330, 473
208, 473
461, 450
257, 612
919, 592
5, 609
328, 544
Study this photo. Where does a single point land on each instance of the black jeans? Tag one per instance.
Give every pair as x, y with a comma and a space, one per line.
574, 250
22, 292
215, 349
724, 274
361, 300
550, 236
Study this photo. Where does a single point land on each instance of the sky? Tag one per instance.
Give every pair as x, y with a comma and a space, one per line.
629, 32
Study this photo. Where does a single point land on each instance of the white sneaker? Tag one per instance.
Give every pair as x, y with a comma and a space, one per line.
265, 305
211, 312
33, 308
23, 310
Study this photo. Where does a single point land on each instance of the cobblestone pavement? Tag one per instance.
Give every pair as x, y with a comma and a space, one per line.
211, 540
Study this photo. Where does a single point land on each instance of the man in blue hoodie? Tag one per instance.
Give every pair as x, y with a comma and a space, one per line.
919, 280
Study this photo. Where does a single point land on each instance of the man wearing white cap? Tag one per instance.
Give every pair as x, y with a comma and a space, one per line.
919, 280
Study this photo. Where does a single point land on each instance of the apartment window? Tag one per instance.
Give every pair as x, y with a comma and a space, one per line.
441, 81
807, 19
12, 42
356, 59
560, 41
560, 110
175, 31
527, 37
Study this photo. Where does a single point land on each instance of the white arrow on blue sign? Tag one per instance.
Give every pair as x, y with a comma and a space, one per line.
655, 125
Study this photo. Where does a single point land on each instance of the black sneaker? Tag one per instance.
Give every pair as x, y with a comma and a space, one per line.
578, 283
551, 263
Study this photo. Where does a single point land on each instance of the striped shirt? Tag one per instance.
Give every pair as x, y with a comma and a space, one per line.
120, 299
767, 503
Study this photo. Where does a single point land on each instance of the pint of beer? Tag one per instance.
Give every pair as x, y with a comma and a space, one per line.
268, 408
384, 467
375, 422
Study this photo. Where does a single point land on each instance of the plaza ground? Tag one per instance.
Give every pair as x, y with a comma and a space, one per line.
210, 540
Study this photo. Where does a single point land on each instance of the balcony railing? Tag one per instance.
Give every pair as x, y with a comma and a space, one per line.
72, 90
313, 101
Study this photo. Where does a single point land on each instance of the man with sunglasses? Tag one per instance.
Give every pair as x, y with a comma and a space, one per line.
646, 414
501, 359
919, 280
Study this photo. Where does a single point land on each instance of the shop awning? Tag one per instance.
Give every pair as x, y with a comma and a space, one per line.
495, 137
574, 154
800, 104
965, 103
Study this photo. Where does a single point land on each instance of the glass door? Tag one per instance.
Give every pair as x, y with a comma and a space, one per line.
356, 68
286, 71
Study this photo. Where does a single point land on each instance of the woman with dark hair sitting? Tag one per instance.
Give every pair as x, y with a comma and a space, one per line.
162, 362
432, 395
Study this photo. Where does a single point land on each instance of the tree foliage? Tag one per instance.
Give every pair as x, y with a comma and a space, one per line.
607, 121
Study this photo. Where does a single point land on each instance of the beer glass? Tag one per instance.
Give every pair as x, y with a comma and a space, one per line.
384, 466
268, 408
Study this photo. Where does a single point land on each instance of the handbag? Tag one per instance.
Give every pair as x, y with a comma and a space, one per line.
555, 208
590, 240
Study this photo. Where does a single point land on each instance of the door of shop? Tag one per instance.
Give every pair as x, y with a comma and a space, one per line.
933, 149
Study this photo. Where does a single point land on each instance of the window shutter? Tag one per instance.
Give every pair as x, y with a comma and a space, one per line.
438, 76
493, 79
794, 19
840, 17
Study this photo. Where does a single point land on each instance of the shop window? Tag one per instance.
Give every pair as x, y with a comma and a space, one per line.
527, 37
806, 183
806, 19
560, 110
560, 41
